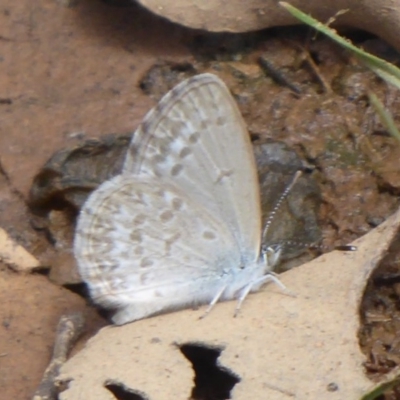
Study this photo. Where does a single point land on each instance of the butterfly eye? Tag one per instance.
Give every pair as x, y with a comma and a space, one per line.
271, 254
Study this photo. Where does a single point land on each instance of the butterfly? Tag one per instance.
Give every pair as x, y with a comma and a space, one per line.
181, 225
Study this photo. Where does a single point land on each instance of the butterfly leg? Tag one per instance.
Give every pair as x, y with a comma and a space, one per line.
258, 282
213, 301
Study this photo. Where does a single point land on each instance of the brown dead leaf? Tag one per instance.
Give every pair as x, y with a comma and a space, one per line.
14, 255
381, 18
279, 346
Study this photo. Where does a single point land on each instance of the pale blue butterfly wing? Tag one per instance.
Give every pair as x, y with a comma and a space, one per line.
152, 248
183, 221
196, 139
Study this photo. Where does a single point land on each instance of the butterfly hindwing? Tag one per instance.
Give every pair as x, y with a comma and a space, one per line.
140, 242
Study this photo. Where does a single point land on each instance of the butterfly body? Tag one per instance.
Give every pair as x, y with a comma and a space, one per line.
181, 226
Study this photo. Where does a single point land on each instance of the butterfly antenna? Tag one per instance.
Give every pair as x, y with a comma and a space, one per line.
279, 203
313, 246
325, 249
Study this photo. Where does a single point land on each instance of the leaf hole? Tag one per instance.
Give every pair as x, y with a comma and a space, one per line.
212, 380
123, 392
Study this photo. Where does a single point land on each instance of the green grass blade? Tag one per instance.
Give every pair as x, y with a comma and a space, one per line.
385, 116
389, 72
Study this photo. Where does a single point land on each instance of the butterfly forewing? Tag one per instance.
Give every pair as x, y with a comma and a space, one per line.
196, 139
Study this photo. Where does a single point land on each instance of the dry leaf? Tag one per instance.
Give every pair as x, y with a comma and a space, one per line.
379, 17
15, 255
279, 346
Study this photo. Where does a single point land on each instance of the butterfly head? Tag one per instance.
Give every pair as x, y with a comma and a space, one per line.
271, 255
